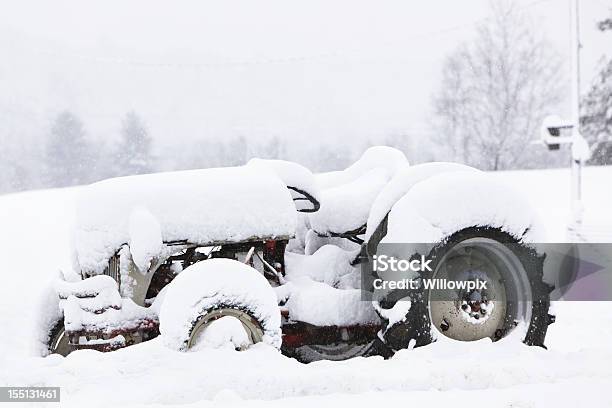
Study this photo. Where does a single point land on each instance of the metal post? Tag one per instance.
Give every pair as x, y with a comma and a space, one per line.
577, 162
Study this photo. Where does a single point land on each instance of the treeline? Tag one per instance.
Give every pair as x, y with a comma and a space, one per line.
68, 156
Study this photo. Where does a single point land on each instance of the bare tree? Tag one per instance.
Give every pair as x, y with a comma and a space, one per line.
596, 118
495, 92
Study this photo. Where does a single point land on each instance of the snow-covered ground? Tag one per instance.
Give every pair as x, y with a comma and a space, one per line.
576, 370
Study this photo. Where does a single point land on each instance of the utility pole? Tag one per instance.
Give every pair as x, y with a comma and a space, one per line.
577, 158
553, 126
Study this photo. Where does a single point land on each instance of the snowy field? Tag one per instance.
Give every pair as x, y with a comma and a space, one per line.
576, 370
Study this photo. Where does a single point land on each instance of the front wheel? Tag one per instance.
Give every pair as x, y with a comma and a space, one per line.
219, 301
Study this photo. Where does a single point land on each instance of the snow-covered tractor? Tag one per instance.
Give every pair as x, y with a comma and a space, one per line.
269, 252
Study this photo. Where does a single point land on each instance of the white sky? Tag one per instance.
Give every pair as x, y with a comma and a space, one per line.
304, 70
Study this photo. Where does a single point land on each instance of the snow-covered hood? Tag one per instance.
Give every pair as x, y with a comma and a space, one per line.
200, 206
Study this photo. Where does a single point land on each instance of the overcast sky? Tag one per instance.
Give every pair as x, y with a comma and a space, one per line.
302, 70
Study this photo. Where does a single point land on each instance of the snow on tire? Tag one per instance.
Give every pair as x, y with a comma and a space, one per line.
214, 289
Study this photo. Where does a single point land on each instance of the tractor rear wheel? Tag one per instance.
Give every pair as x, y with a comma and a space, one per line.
515, 293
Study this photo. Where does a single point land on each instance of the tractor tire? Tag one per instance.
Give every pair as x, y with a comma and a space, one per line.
516, 273
58, 341
219, 288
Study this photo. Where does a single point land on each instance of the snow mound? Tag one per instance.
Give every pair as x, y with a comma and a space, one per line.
217, 283
395, 314
373, 158
322, 305
86, 288
347, 196
47, 314
295, 176
346, 207
313, 242
81, 315
146, 241
323, 289
200, 206
226, 332
329, 264
449, 202
399, 185
507, 372
94, 304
